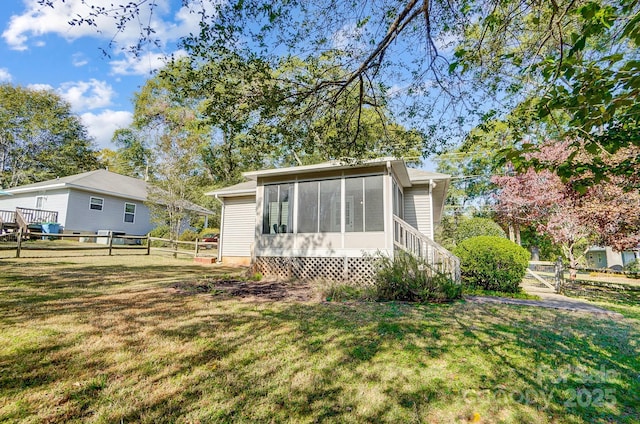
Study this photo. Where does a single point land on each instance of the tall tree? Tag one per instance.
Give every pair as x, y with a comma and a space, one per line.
40, 138
169, 123
605, 214
577, 58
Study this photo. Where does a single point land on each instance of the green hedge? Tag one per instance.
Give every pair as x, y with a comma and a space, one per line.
492, 263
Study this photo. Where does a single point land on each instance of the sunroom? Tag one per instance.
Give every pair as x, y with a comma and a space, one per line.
326, 220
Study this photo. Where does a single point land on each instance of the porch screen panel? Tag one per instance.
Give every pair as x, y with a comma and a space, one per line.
354, 207
374, 204
277, 215
330, 212
308, 207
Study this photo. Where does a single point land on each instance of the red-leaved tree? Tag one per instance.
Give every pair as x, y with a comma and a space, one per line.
608, 213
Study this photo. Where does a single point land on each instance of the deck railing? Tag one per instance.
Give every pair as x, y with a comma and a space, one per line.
7, 216
408, 238
35, 216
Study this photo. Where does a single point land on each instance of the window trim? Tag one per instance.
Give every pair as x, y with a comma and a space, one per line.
101, 203
41, 199
133, 214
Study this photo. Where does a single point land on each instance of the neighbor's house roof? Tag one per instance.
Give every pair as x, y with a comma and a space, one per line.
407, 176
99, 181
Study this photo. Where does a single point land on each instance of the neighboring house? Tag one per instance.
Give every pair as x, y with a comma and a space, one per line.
322, 221
88, 202
606, 257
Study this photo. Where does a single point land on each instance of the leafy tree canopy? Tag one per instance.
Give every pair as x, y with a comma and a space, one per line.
452, 59
40, 138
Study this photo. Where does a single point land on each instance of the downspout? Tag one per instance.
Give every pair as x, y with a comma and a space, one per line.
220, 237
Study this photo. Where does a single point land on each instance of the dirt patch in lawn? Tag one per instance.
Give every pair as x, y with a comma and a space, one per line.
251, 290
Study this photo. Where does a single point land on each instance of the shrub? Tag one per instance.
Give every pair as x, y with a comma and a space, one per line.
476, 227
188, 235
408, 278
492, 263
206, 231
633, 266
161, 231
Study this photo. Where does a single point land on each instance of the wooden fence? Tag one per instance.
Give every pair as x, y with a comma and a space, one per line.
582, 286
194, 248
109, 242
16, 241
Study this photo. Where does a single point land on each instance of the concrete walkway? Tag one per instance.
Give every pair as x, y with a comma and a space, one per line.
549, 299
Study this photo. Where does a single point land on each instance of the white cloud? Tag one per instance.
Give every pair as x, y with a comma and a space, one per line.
169, 25
78, 60
101, 126
40, 87
87, 95
5, 76
142, 65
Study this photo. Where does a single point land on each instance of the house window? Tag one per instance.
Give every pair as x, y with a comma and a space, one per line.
96, 203
319, 207
277, 215
364, 208
129, 212
39, 202
398, 201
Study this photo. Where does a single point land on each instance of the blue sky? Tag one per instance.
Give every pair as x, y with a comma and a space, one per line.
39, 49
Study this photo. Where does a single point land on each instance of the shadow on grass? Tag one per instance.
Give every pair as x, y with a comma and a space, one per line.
118, 350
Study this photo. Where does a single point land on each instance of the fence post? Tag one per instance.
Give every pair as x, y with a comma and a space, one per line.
148, 244
197, 250
559, 274
110, 241
175, 248
19, 245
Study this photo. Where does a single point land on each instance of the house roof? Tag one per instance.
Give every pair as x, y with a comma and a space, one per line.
407, 176
419, 175
334, 165
100, 181
245, 188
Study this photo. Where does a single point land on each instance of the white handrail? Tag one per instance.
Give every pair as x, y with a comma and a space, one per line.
409, 239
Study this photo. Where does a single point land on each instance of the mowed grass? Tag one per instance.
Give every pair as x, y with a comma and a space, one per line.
109, 339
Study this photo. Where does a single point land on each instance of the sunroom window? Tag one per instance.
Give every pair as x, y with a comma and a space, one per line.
364, 209
319, 207
277, 216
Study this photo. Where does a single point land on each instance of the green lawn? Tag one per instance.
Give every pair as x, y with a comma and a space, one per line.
110, 339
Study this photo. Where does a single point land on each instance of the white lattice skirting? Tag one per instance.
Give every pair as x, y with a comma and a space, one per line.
353, 270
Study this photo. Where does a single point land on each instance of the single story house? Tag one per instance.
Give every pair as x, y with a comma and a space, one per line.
88, 202
606, 257
326, 220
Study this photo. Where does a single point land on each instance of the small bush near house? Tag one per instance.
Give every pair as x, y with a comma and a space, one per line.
408, 278
492, 263
633, 266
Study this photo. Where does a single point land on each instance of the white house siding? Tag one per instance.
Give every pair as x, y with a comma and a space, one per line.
320, 244
238, 226
81, 218
53, 200
417, 208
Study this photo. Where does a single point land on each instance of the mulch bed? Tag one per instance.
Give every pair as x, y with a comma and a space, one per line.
250, 290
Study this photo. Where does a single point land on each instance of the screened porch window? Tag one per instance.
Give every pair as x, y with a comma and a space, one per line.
319, 207
364, 208
277, 215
